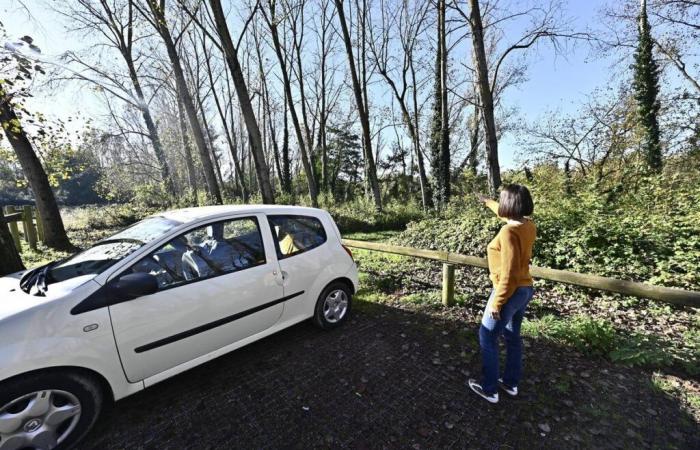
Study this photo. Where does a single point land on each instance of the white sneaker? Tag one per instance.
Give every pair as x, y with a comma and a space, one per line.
476, 387
512, 391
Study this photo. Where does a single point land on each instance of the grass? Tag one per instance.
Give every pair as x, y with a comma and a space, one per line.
598, 337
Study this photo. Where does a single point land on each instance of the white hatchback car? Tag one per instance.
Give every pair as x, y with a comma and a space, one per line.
164, 295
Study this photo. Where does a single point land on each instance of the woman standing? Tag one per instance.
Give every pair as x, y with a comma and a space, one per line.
509, 255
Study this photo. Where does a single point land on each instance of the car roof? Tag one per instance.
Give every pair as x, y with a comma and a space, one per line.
187, 215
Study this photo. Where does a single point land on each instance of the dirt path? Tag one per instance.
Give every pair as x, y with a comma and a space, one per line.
393, 378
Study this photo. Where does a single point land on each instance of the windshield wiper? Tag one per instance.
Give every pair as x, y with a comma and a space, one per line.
118, 240
37, 277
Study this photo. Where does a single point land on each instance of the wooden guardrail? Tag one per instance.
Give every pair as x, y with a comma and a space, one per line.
449, 260
27, 215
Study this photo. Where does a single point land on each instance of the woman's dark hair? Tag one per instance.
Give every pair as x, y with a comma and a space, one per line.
515, 202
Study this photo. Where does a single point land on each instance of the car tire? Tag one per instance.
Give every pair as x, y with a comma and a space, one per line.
45, 405
333, 306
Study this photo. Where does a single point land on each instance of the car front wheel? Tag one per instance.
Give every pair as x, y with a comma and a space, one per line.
333, 305
47, 410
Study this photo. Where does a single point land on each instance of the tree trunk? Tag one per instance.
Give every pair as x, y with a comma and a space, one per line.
487, 108
286, 164
308, 170
424, 185
158, 13
10, 261
230, 140
231, 53
187, 147
472, 158
445, 118
54, 232
151, 127
371, 169
302, 100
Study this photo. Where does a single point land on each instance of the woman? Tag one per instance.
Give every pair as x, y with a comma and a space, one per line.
509, 256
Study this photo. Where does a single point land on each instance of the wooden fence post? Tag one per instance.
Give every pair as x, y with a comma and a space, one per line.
14, 230
29, 230
39, 224
448, 284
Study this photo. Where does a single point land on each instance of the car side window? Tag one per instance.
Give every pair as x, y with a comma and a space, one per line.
296, 234
204, 252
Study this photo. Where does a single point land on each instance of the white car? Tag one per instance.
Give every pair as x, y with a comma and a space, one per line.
164, 295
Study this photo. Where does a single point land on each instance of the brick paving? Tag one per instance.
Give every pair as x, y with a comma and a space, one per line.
392, 378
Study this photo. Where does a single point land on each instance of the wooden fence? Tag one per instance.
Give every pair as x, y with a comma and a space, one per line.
26, 215
449, 260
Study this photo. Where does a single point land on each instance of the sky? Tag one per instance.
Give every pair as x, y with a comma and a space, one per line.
554, 83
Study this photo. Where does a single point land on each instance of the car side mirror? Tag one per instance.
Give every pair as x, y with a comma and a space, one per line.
135, 285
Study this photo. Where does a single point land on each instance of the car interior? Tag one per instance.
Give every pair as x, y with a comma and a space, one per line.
219, 248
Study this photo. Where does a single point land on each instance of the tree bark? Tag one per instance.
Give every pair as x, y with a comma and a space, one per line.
231, 53
371, 168
445, 118
187, 148
286, 164
10, 261
151, 127
308, 170
230, 140
487, 107
158, 15
54, 232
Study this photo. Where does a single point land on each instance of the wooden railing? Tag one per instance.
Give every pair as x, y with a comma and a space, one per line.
449, 260
26, 215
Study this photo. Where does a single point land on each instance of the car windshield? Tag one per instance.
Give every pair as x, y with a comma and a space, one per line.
100, 256
108, 252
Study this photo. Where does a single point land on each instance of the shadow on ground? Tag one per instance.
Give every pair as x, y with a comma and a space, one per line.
393, 378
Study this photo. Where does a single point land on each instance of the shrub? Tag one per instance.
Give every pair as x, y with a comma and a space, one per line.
650, 233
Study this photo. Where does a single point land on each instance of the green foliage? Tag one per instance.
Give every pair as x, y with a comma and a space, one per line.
646, 91
598, 337
646, 232
361, 215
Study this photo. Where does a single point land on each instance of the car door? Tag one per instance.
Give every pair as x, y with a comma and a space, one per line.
303, 258
218, 283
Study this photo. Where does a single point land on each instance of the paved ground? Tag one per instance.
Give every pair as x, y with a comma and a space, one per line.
393, 378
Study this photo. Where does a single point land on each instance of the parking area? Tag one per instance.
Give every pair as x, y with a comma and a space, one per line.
393, 377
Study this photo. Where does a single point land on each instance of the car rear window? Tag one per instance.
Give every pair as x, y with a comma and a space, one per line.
296, 234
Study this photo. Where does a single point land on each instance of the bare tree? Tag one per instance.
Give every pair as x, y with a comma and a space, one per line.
271, 19
409, 21
116, 22
360, 100
545, 24
155, 13
239, 83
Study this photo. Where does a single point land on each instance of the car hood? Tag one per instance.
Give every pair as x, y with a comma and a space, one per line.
14, 300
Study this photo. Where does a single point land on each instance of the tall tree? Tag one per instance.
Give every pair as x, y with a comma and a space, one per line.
408, 22
370, 166
15, 68
239, 83
116, 22
156, 15
485, 96
646, 91
440, 135
271, 19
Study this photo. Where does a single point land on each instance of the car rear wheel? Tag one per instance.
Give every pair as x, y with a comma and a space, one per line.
47, 410
333, 305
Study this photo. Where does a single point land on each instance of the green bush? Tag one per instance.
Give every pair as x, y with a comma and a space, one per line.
361, 215
598, 337
649, 232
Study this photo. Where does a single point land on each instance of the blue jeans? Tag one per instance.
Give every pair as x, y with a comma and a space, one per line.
512, 314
